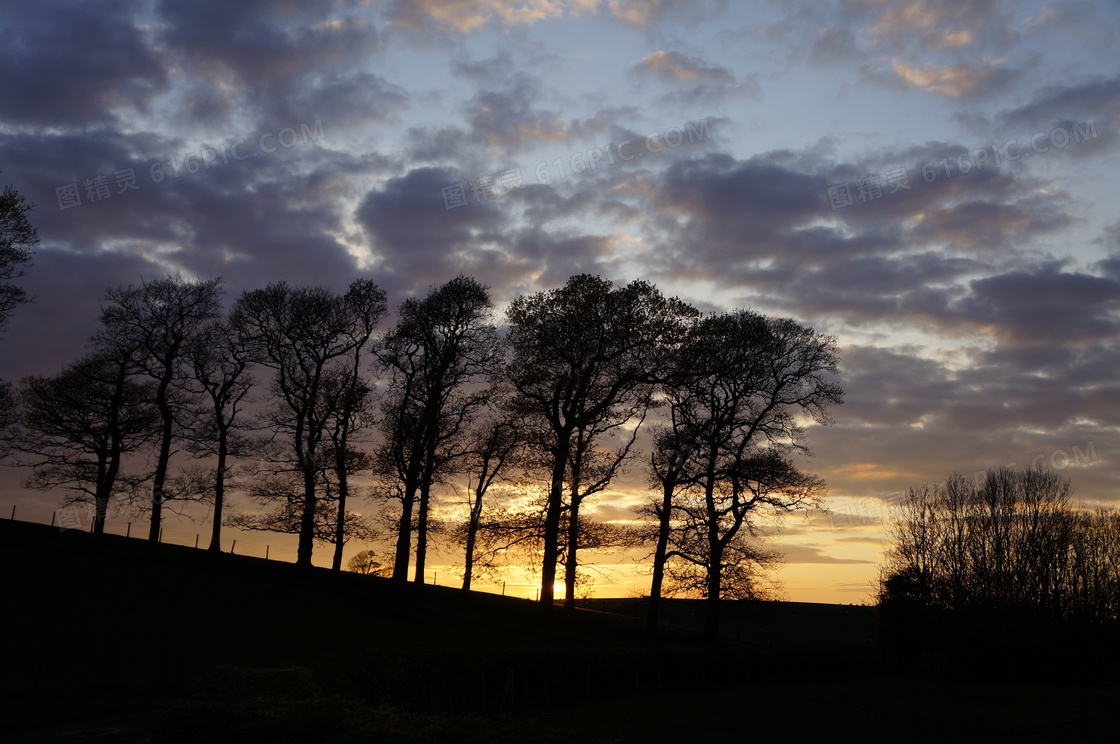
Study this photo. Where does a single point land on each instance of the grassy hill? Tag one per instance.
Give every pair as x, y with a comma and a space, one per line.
233, 648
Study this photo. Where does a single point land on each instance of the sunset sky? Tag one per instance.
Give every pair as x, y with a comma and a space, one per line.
937, 183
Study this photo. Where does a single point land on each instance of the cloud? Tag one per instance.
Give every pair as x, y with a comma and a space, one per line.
507, 119
1091, 105
91, 56
468, 16
955, 81
806, 554
941, 25
693, 78
252, 51
636, 12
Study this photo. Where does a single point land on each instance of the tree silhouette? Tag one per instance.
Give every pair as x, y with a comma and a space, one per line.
80, 423
18, 239
154, 322
740, 383
348, 401
300, 333
220, 368
496, 448
579, 355
442, 348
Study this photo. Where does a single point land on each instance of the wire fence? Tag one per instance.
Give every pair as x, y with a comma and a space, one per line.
175, 529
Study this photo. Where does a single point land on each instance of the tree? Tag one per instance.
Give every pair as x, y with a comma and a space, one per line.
220, 368
579, 355
300, 333
1004, 575
590, 471
740, 384
289, 513
497, 445
18, 239
347, 399
80, 423
1011, 543
667, 473
364, 563
154, 322
443, 348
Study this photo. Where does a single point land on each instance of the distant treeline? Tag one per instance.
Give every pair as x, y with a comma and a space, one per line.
1005, 575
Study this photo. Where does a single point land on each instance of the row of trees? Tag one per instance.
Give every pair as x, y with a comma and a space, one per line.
1002, 577
1013, 543
302, 389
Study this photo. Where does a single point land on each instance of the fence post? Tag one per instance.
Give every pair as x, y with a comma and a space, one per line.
196, 541
266, 552
13, 512
52, 519
231, 547
128, 531
503, 588
160, 538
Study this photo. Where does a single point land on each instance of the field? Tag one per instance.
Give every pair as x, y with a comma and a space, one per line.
103, 638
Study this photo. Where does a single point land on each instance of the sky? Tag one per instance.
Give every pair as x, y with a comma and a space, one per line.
934, 182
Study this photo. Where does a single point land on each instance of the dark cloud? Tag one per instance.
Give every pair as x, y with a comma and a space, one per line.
418, 240
91, 57
508, 118
257, 50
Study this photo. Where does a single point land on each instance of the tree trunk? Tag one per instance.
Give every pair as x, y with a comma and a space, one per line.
343, 492
404, 535
659, 558
472, 536
552, 521
422, 530
100, 509
307, 520
162, 461
711, 606
571, 566
219, 492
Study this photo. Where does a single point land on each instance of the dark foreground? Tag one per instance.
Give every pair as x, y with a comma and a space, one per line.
104, 642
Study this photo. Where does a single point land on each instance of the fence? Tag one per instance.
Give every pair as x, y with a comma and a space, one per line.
196, 532
175, 530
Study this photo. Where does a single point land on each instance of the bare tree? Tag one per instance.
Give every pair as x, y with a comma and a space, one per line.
301, 333
155, 321
579, 354
287, 512
365, 563
497, 445
220, 367
79, 425
741, 383
1012, 542
348, 401
443, 348
590, 471
18, 239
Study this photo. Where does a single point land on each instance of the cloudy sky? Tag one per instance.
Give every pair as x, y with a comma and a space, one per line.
935, 182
